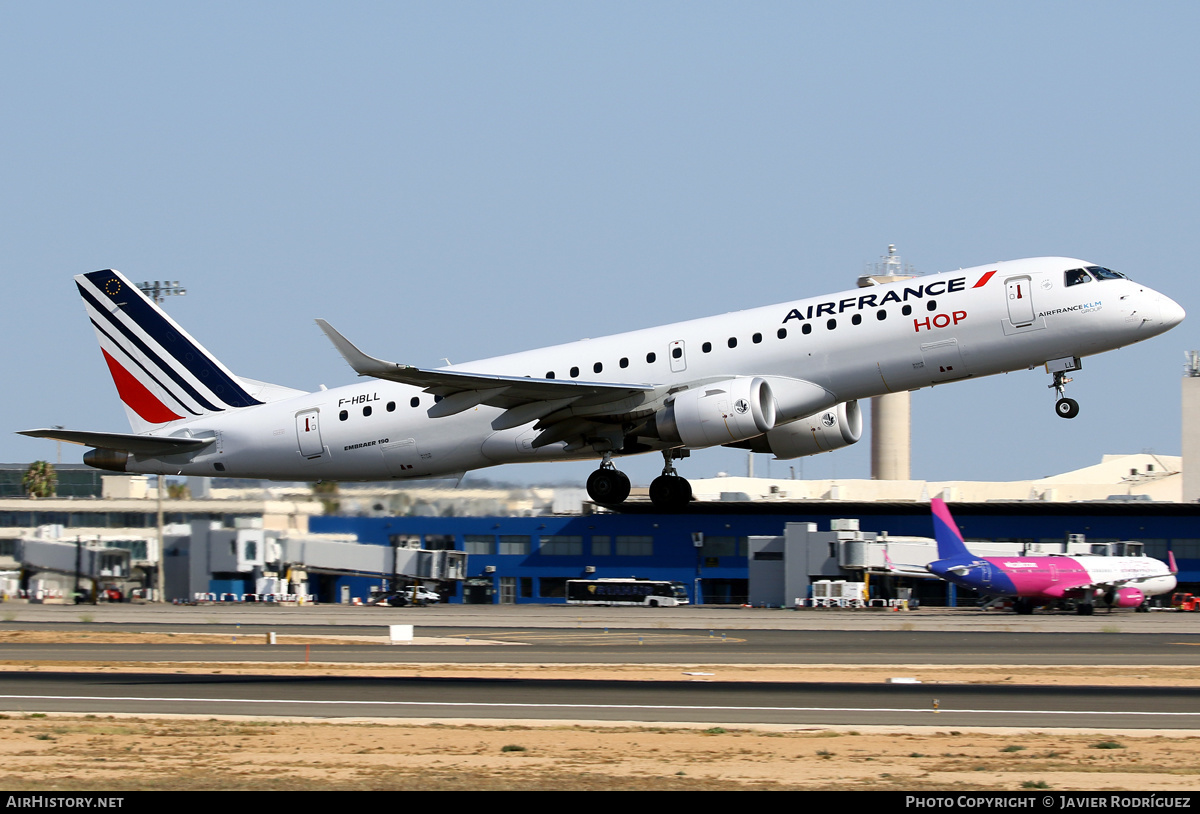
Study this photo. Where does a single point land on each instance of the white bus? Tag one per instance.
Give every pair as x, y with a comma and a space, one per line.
650, 593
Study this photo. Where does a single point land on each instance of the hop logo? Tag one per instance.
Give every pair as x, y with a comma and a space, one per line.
829, 419
741, 406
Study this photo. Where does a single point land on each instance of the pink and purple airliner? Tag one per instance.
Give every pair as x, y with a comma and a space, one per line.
1119, 582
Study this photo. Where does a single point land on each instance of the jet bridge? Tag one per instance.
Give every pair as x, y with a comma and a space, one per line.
316, 554
254, 557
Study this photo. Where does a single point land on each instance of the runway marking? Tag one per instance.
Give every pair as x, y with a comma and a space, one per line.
600, 638
518, 705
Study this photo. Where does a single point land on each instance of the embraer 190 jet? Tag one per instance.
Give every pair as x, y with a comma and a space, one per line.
783, 379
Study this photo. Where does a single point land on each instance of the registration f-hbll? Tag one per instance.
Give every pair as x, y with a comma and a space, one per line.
782, 379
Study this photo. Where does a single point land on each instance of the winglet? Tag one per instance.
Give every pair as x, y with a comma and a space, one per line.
363, 364
949, 539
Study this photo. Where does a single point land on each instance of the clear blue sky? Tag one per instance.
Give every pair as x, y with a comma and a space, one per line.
470, 178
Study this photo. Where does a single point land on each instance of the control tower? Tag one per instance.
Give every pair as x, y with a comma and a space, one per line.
1191, 430
891, 434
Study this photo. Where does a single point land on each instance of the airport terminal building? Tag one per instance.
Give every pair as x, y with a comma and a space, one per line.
745, 541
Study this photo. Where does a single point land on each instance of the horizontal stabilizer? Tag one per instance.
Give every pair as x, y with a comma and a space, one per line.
125, 442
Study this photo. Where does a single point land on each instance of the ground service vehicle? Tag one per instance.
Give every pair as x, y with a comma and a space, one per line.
650, 593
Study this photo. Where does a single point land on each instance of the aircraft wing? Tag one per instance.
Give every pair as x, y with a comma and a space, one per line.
121, 441
526, 399
1119, 583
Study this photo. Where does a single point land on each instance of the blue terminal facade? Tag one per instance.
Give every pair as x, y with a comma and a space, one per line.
528, 559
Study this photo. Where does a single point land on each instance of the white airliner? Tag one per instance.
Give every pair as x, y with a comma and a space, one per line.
783, 379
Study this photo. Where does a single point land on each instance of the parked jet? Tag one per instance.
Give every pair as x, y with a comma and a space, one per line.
1120, 582
783, 379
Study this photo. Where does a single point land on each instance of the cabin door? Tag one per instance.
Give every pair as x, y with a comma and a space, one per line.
1020, 300
308, 434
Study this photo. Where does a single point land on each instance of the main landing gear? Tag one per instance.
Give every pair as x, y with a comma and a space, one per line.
609, 486
1065, 407
669, 491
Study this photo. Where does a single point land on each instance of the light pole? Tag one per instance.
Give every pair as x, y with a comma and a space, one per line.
159, 291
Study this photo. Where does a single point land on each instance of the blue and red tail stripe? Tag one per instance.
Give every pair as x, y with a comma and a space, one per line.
161, 373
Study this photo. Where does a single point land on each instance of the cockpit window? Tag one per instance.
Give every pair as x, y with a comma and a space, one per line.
1106, 274
1076, 276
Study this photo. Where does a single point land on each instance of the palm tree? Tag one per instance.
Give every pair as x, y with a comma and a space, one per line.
40, 480
327, 491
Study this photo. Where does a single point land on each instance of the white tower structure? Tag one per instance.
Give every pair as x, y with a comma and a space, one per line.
1191, 428
891, 434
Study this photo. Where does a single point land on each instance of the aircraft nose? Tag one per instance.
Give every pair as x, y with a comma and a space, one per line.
1172, 312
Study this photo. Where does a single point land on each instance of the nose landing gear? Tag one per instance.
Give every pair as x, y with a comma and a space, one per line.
1059, 368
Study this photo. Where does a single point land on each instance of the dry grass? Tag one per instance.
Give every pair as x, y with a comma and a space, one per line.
90, 753
123, 753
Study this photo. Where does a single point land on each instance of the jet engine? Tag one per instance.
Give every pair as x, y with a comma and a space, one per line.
830, 429
1125, 598
718, 413
110, 459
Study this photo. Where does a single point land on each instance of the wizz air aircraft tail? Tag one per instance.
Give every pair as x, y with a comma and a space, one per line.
783, 379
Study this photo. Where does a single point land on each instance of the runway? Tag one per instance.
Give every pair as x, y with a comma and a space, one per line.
645, 702
611, 637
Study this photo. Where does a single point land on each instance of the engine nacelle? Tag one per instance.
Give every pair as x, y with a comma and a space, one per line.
830, 429
110, 459
719, 413
1125, 598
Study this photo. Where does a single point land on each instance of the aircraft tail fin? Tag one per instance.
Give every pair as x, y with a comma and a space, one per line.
162, 374
950, 543
1171, 562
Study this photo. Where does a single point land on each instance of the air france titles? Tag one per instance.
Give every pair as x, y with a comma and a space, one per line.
895, 295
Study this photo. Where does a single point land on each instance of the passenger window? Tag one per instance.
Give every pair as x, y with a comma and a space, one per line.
881, 315
906, 310
856, 319
596, 368
650, 357
1076, 276
677, 353
549, 374
806, 329
624, 361
733, 341
706, 347
574, 373
416, 402
781, 333
367, 410
831, 324
343, 415
756, 338
391, 406
931, 305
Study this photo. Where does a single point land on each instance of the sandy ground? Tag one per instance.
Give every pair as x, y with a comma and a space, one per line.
124, 753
